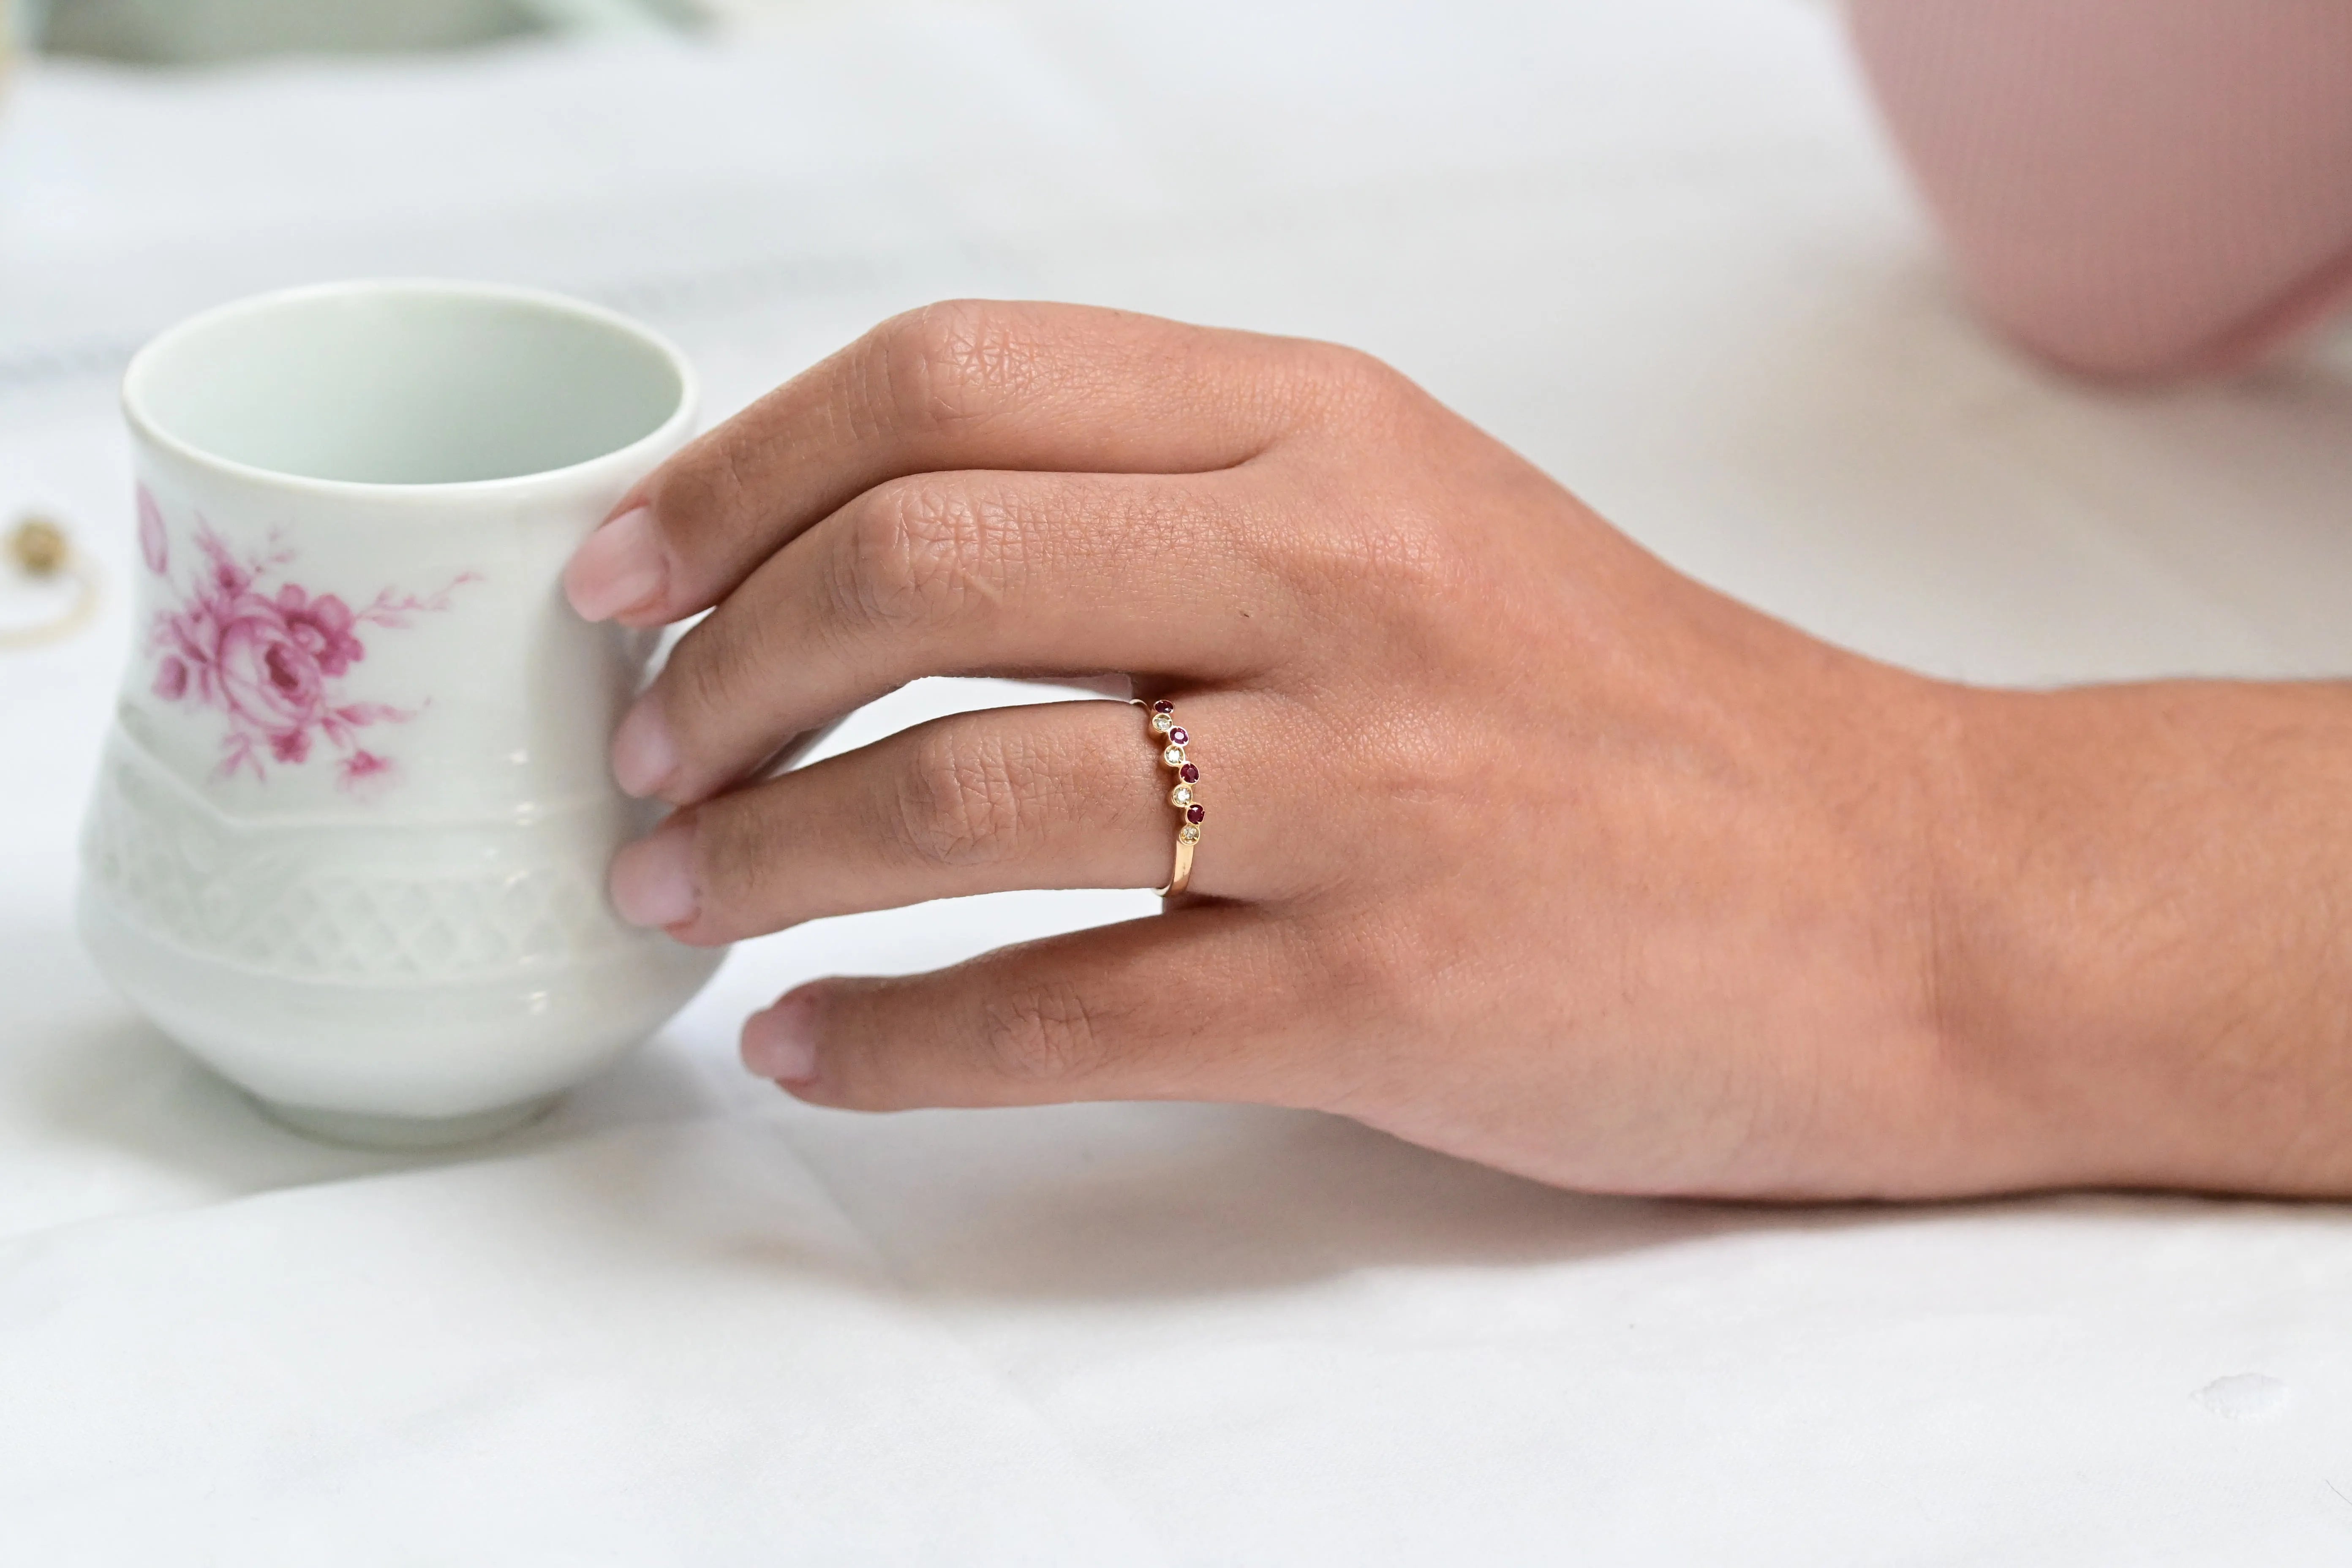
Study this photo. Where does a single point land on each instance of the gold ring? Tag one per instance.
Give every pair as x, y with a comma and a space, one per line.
40, 550
1172, 740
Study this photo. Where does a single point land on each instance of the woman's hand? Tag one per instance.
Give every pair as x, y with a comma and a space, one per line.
1518, 844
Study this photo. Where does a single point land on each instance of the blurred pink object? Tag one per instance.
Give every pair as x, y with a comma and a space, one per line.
2130, 187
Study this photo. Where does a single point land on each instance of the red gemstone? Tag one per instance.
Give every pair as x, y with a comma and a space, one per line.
1177, 737
1195, 812
1163, 708
1189, 774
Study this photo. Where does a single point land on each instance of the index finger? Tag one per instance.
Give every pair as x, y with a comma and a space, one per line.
965, 384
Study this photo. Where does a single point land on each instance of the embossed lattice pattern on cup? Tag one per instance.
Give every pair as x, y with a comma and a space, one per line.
174, 867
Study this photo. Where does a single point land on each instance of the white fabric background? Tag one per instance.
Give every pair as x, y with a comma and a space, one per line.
1658, 246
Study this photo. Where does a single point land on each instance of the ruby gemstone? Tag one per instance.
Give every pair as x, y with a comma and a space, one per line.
1163, 708
1195, 812
1179, 737
1189, 774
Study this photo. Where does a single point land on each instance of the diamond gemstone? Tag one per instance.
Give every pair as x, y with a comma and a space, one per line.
1173, 756
1189, 833
1182, 795
1163, 722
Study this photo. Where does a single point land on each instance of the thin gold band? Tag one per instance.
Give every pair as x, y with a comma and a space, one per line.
1181, 877
1173, 740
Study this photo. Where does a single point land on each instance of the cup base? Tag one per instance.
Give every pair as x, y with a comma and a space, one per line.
362, 1131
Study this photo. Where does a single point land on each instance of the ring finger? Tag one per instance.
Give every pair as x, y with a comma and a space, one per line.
1065, 795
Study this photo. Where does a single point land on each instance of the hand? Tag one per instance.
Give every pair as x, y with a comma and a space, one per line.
1518, 844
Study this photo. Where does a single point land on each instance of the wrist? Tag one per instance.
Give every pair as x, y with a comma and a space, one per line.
2137, 974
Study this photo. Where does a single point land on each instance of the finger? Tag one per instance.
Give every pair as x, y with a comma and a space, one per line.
1172, 1009
973, 574
1063, 794
968, 384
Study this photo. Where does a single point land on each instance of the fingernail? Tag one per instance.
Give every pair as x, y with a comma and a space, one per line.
652, 879
781, 1042
644, 755
617, 568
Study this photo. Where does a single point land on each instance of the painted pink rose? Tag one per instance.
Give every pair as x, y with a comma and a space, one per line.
268, 655
323, 627
268, 676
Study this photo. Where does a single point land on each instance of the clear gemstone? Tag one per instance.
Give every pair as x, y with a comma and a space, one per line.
1173, 756
1182, 795
1163, 722
1189, 833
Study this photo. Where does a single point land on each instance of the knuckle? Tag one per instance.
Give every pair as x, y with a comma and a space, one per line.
712, 671
1408, 544
963, 801
1409, 554
1046, 1033
740, 849
1400, 560
1349, 384
920, 550
958, 361
1339, 364
703, 485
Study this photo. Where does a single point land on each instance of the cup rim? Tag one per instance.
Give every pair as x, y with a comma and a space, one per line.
636, 454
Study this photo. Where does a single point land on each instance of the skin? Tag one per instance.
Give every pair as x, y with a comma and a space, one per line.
1520, 844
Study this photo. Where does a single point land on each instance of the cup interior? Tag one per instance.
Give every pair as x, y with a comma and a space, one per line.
406, 384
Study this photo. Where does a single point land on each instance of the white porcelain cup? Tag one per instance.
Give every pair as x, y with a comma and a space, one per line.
350, 831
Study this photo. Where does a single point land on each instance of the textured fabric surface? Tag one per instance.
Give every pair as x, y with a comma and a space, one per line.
2132, 187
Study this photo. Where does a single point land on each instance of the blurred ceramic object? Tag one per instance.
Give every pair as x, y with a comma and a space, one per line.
351, 830
2132, 189
196, 32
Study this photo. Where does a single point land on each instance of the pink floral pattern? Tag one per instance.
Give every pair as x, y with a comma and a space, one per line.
270, 655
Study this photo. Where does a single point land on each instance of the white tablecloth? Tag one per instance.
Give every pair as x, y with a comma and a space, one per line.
1655, 244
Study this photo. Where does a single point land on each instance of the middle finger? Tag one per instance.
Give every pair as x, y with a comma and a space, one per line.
963, 573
